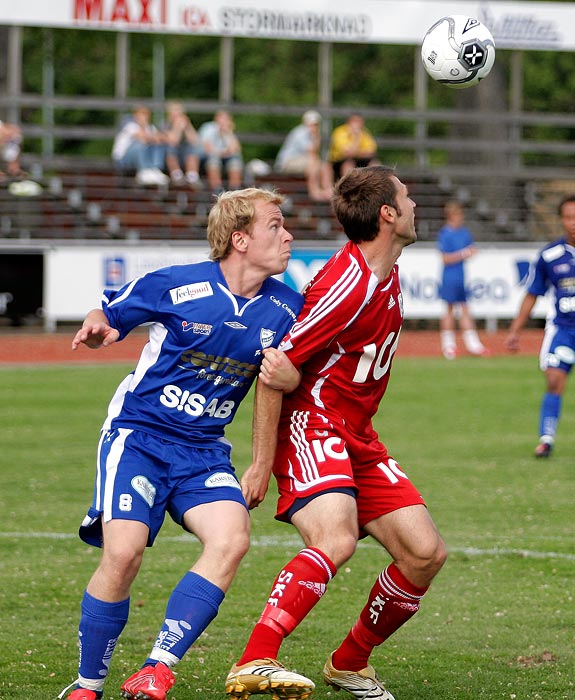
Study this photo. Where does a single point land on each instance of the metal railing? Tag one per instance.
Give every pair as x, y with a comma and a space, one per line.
424, 139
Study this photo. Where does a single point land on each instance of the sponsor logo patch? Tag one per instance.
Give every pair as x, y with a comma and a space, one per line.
142, 486
197, 328
553, 253
189, 292
222, 479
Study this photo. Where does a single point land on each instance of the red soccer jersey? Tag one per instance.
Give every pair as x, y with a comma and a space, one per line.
344, 341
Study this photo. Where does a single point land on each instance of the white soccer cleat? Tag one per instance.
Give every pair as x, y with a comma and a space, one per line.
267, 676
363, 685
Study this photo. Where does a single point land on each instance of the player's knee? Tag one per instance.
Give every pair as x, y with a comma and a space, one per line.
340, 547
230, 547
121, 563
239, 543
439, 556
428, 558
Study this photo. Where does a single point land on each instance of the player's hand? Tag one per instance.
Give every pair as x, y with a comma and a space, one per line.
254, 483
512, 342
95, 332
95, 336
278, 372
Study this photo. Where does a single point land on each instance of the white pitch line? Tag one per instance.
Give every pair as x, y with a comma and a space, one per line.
294, 542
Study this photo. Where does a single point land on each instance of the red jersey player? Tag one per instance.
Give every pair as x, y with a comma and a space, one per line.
336, 480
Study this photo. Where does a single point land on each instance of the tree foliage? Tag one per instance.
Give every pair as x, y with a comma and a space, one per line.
278, 73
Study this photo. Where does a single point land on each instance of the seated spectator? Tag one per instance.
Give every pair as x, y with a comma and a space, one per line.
300, 155
222, 152
140, 146
10, 147
183, 148
352, 146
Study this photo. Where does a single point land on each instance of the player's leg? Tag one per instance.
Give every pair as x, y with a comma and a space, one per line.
418, 553
550, 410
392, 511
317, 495
124, 522
196, 599
106, 602
447, 333
556, 359
469, 332
328, 526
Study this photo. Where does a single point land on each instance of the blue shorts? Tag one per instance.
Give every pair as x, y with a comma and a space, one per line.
557, 348
142, 477
453, 290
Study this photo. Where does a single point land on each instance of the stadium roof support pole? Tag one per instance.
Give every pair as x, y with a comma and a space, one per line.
159, 75
325, 84
516, 105
122, 66
14, 77
420, 82
48, 92
226, 89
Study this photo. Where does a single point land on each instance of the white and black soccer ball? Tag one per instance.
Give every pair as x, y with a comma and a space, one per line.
458, 51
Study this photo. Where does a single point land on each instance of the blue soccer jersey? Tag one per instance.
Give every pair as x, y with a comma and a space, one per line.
203, 353
555, 268
452, 240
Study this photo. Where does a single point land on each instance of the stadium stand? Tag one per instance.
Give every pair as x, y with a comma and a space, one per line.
88, 199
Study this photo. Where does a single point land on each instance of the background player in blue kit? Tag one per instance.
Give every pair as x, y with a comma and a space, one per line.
162, 448
456, 245
554, 269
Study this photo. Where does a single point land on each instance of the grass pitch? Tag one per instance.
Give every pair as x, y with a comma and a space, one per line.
497, 623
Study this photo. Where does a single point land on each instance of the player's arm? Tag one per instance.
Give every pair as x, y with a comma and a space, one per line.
278, 372
267, 407
459, 255
96, 331
512, 340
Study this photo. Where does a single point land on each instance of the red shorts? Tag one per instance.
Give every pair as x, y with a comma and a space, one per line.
316, 454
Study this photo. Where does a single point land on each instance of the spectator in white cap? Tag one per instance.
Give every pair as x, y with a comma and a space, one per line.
300, 155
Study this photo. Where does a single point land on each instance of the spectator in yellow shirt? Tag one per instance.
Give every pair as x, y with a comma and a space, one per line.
352, 146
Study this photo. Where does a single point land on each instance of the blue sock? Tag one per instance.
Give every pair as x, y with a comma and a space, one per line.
192, 606
100, 626
549, 415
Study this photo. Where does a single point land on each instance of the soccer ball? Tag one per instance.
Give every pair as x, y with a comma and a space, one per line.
458, 51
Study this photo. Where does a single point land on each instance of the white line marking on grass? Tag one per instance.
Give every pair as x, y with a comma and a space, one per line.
294, 542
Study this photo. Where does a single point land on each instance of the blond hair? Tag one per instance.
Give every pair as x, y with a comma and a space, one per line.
235, 211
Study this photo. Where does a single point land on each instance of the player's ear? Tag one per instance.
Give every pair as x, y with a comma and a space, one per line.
239, 240
387, 212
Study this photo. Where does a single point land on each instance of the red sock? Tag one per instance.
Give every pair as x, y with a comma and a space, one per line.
297, 588
392, 601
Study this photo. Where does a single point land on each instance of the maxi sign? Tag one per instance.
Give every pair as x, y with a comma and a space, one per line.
529, 25
75, 276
